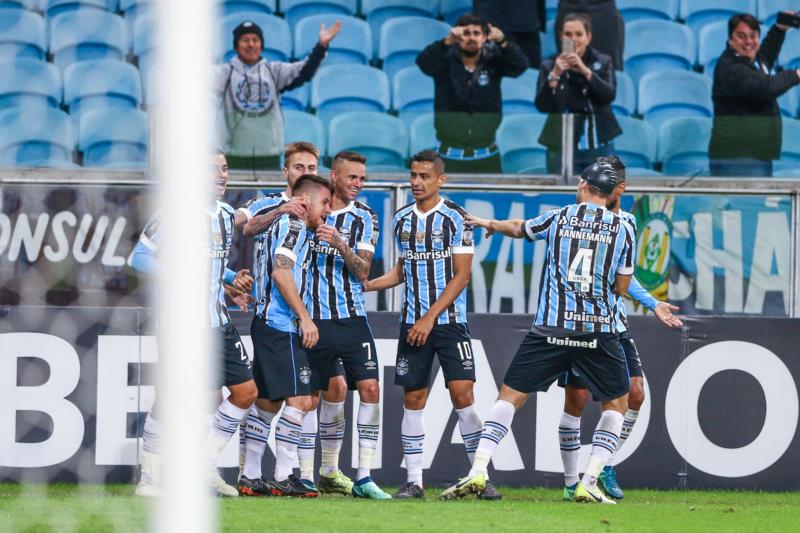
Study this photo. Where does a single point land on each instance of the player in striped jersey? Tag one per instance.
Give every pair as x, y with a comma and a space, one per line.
589, 263
576, 394
236, 372
435, 248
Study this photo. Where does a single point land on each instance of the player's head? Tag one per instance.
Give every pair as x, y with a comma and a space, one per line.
597, 183
317, 191
248, 41
299, 158
427, 175
348, 175
219, 172
619, 168
475, 32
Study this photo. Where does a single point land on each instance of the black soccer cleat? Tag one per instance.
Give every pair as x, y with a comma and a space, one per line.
253, 487
490, 492
292, 487
408, 491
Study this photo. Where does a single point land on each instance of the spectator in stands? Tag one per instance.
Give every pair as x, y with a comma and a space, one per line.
608, 24
520, 21
746, 135
582, 83
251, 123
466, 67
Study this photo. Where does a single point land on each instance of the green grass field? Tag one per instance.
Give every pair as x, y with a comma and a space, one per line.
65, 508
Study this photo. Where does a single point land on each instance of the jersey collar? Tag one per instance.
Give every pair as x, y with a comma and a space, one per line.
345, 209
431, 210
284, 197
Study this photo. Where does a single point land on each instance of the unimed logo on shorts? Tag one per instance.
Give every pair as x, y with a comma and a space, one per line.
569, 342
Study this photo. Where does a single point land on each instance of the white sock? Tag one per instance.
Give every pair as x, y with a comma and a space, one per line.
569, 440
627, 427
151, 448
256, 435
412, 432
369, 428
331, 435
308, 442
470, 425
604, 441
287, 437
224, 424
494, 429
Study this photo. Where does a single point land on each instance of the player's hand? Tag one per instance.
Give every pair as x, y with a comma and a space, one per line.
366, 285
296, 206
239, 298
330, 235
496, 34
243, 280
310, 333
418, 334
326, 35
472, 221
664, 311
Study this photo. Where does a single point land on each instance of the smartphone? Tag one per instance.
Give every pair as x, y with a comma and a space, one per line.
788, 19
568, 46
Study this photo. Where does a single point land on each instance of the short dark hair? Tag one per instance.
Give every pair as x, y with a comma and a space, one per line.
747, 18
309, 181
615, 162
468, 19
430, 156
577, 17
348, 155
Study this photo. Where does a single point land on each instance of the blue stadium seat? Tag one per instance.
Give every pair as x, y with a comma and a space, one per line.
230, 7
625, 102
698, 13
788, 103
20, 4
37, 136
301, 126
380, 11
144, 44
637, 144
349, 88
710, 45
294, 10
519, 93
790, 52
22, 34
768, 9
632, 10
29, 82
412, 94
352, 45
102, 83
277, 37
790, 147
56, 7
683, 145
452, 9
87, 34
548, 40
114, 138
550, 10
668, 94
657, 45
518, 141
638, 172
133, 9
382, 138
297, 99
422, 134
403, 38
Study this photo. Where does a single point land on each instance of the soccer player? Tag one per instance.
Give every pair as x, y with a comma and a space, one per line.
236, 372
589, 263
342, 256
435, 247
576, 394
283, 329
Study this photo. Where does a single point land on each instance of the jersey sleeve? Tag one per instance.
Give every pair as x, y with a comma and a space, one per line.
369, 237
151, 235
290, 238
462, 242
536, 228
260, 205
625, 265
640, 294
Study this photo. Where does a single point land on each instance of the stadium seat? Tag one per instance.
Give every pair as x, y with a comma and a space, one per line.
294, 10
22, 34
698, 13
297, 99
668, 94
133, 9
301, 126
20, 4
548, 40
683, 145
56, 7
412, 94
518, 140
637, 144
625, 102
768, 9
114, 138
277, 37
519, 93
349, 88
710, 45
422, 134
632, 10
381, 138
102, 83
639, 172
229, 7
790, 52
29, 82
352, 45
657, 45
793, 172
452, 9
403, 38
790, 147
380, 11
87, 34
550, 11
38, 136
788, 103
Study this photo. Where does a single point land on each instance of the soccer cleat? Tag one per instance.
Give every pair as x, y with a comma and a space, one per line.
608, 483
489, 493
568, 495
366, 488
291, 486
253, 487
584, 494
309, 484
220, 487
408, 491
337, 483
466, 485
147, 490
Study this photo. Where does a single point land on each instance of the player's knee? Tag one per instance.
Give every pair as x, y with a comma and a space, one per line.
415, 399
304, 403
369, 391
462, 399
337, 390
636, 395
575, 401
244, 395
313, 403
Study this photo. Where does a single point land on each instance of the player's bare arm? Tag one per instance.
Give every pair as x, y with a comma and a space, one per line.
357, 263
621, 284
239, 219
283, 278
258, 224
392, 278
509, 228
462, 268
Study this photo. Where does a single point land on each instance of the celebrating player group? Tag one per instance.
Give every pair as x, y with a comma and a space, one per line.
312, 341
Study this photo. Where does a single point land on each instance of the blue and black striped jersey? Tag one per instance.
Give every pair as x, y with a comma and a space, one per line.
587, 246
259, 206
335, 293
426, 243
286, 236
635, 291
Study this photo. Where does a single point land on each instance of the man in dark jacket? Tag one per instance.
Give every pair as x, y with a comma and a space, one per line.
582, 83
746, 136
520, 20
466, 68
